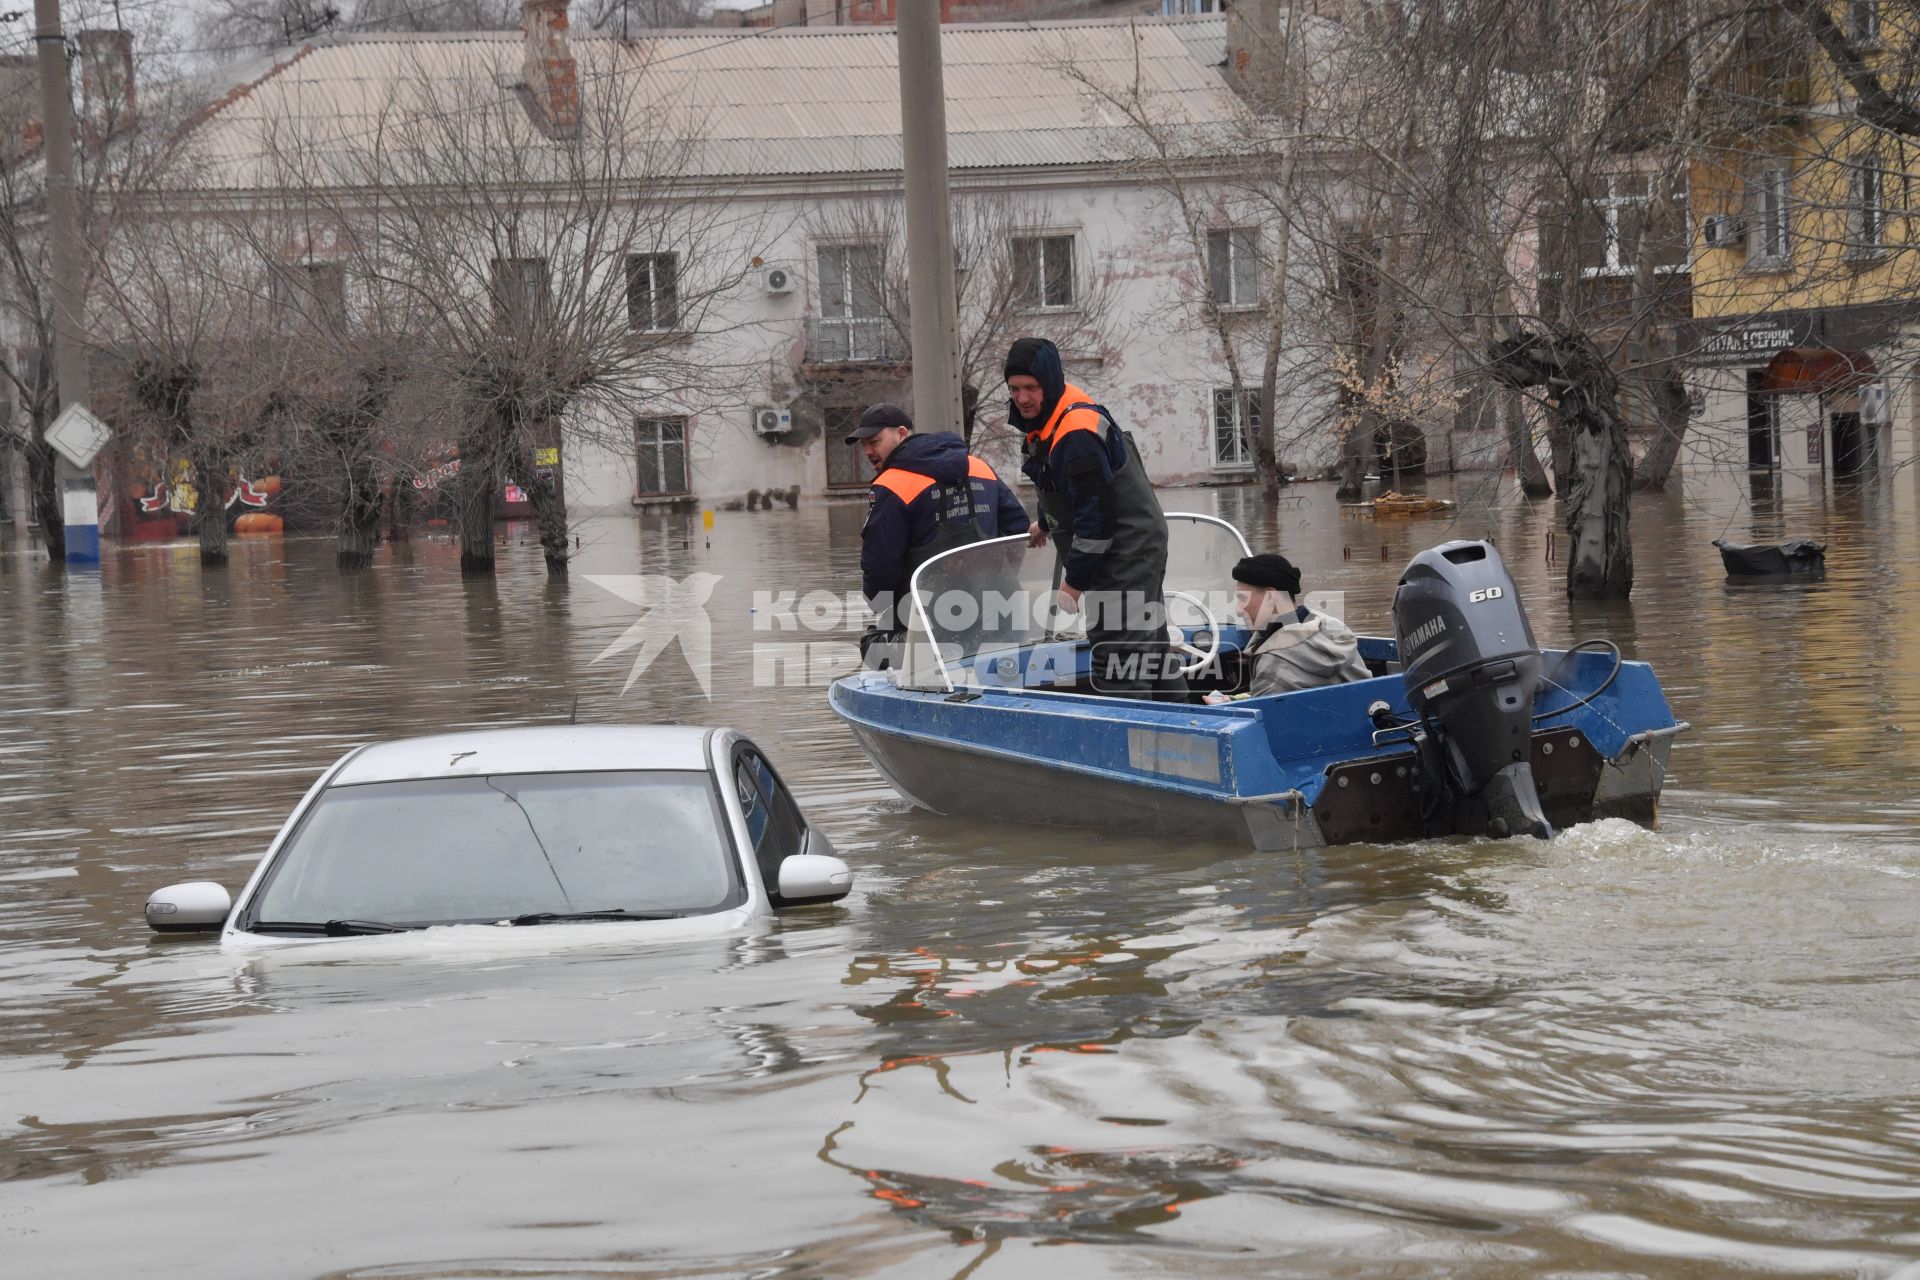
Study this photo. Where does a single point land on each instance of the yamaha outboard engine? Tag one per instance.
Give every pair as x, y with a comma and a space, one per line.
1471, 670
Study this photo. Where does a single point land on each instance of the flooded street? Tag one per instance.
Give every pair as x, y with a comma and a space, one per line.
1618, 1053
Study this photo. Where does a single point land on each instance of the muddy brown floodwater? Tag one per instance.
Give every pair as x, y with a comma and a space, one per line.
1015, 1052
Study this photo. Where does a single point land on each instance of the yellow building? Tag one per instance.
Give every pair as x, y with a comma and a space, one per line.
1805, 261
1806, 264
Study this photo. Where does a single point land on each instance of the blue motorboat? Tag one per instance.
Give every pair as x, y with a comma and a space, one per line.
1465, 727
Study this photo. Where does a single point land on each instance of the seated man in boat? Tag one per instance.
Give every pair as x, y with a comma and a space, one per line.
1293, 647
929, 495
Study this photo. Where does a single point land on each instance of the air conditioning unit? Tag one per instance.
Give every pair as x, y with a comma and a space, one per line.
769, 421
777, 279
1724, 231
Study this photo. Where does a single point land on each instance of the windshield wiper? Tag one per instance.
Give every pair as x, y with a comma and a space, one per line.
332, 928
613, 913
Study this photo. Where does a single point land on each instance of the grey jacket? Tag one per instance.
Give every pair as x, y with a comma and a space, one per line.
1307, 650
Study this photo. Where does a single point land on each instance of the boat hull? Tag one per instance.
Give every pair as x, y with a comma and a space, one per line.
1294, 771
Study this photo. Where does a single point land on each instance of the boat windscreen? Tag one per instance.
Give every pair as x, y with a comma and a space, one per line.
999, 595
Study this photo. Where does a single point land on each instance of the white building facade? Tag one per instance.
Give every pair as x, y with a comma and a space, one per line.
796, 148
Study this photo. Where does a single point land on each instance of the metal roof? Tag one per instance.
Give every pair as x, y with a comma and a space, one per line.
794, 102
532, 749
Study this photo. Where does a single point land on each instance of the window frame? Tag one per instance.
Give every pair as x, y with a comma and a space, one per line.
1770, 180
1867, 208
1863, 23
1609, 208
299, 304
1248, 254
640, 423
510, 307
835, 437
1246, 417
653, 292
769, 880
1036, 302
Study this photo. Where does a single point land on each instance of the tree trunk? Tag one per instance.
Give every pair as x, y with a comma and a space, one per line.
1526, 463
1560, 449
1668, 392
1600, 559
400, 510
479, 477
1353, 457
1267, 456
359, 519
1586, 400
210, 511
552, 516
43, 492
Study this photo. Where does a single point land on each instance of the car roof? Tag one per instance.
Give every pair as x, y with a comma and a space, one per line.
529, 749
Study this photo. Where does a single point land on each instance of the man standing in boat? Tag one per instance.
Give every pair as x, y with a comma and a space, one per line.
929, 495
1108, 530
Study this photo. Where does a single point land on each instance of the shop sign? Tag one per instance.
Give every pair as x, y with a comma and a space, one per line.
1753, 341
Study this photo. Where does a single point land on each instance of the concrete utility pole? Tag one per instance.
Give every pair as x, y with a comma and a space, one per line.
79, 504
930, 288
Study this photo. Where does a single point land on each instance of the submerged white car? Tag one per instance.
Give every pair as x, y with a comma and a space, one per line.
607, 824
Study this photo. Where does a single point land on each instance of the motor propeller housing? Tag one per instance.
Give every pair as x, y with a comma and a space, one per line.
1471, 670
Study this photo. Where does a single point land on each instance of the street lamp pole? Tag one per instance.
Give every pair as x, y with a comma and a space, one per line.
79, 503
930, 269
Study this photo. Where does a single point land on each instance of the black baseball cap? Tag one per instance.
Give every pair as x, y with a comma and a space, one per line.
878, 418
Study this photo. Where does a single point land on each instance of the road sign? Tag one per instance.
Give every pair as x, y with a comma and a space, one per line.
78, 436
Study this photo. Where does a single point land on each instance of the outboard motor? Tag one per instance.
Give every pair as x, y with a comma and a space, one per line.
1471, 669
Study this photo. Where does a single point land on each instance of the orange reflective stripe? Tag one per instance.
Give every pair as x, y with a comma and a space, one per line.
904, 485
979, 470
1078, 420
1063, 420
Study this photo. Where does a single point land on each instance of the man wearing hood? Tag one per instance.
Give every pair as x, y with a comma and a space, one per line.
929, 495
1098, 506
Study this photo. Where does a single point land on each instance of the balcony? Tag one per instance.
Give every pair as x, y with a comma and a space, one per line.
837, 342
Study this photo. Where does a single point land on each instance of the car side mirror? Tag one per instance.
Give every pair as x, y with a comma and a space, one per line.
198, 906
807, 878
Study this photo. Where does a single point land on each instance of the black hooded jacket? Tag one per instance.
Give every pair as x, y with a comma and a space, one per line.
896, 527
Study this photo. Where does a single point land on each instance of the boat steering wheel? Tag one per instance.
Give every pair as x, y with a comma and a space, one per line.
1202, 658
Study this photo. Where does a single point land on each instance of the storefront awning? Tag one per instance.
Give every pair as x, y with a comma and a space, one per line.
1817, 371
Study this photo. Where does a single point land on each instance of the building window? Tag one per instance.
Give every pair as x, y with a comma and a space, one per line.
660, 455
522, 292
846, 465
1043, 272
1619, 214
309, 294
1767, 242
1866, 208
1189, 8
1235, 418
1233, 266
653, 292
853, 324
1863, 21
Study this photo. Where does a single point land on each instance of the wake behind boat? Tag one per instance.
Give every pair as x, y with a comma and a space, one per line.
1481, 733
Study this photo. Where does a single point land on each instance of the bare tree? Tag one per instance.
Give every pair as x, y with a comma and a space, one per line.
124, 139
183, 303
548, 271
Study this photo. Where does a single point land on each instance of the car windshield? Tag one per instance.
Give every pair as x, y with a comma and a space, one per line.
490, 848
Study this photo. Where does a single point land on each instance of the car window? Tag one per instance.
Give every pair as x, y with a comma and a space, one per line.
774, 822
450, 849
